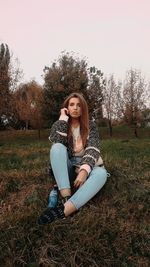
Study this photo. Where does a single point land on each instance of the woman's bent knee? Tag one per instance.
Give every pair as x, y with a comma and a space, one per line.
101, 173
57, 147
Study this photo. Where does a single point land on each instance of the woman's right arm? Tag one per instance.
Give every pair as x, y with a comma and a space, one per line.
58, 132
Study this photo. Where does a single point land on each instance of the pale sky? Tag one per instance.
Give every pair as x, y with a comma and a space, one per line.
113, 35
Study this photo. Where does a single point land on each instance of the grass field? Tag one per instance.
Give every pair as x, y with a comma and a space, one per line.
111, 230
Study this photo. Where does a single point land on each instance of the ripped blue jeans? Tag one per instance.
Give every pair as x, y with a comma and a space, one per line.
64, 173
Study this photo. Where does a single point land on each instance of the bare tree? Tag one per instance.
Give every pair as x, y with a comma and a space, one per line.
134, 98
4, 83
16, 73
96, 86
10, 75
112, 101
36, 118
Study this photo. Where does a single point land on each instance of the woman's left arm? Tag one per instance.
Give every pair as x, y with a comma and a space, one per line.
92, 150
90, 157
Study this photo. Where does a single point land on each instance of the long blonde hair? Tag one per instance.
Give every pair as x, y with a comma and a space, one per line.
84, 118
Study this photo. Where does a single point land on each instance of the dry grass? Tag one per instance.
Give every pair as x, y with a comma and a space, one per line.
111, 230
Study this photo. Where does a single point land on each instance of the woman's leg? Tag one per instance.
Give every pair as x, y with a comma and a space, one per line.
61, 167
89, 189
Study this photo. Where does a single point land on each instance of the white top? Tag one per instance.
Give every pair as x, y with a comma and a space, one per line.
77, 141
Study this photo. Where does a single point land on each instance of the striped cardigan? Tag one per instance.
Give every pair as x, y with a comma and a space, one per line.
91, 156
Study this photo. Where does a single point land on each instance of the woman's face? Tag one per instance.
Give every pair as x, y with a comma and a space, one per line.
74, 107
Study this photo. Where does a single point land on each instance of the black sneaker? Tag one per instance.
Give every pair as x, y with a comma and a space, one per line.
51, 214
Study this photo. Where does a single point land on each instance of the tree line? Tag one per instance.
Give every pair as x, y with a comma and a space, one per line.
32, 106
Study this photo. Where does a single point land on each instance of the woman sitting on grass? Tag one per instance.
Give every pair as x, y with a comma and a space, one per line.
75, 159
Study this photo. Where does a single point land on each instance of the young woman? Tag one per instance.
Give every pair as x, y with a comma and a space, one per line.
75, 159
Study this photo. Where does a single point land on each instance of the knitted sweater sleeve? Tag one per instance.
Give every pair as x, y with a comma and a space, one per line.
92, 151
58, 132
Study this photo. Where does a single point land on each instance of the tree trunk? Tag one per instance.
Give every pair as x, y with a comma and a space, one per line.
27, 125
39, 134
110, 128
135, 132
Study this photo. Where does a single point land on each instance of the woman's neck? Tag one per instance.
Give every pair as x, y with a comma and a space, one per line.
75, 122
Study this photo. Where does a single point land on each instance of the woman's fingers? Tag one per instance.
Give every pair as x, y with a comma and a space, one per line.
78, 183
64, 111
